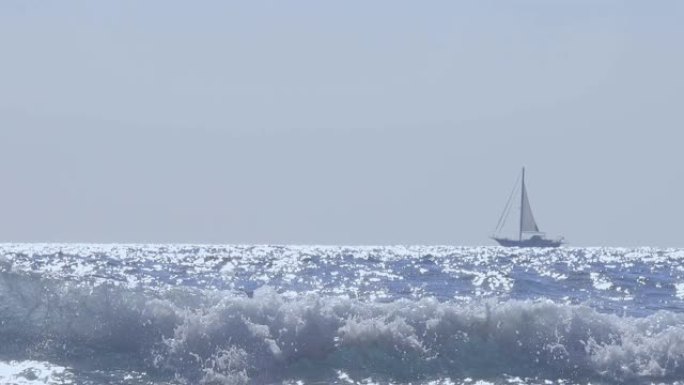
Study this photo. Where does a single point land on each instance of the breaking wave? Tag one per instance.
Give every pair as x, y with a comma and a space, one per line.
225, 337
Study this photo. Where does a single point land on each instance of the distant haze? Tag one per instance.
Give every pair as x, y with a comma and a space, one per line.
355, 122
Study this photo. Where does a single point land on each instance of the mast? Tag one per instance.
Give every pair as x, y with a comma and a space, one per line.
522, 204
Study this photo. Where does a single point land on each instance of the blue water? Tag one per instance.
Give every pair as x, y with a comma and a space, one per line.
175, 314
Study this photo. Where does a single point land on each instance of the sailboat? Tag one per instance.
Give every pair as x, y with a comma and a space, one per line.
528, 234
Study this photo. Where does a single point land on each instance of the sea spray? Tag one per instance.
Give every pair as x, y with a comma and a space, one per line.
171, 314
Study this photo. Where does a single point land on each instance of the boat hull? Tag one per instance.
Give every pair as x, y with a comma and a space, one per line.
531, 242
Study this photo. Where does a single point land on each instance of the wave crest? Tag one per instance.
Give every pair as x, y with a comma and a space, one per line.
222, 337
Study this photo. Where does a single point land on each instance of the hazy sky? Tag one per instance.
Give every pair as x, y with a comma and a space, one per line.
352, 122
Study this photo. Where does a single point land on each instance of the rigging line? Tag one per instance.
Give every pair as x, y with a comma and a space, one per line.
505, 214
508, 211
507, 208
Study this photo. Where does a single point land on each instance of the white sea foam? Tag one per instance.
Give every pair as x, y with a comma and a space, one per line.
33, 373
264, 314
600, 282
230, 339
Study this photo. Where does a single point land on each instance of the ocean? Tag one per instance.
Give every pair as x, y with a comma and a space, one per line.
184, 314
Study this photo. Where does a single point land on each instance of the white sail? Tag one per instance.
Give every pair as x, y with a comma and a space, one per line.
527, 223
529, 235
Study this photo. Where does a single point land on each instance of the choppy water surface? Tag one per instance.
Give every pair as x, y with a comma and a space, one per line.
159, 314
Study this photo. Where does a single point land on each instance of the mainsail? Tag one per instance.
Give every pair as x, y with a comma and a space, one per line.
527, 223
